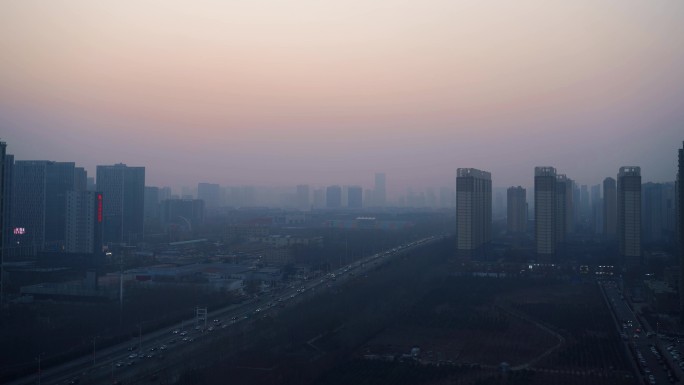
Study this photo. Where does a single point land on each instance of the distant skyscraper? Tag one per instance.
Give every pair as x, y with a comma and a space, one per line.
354, 197
562, 207
545, 210
585, 204
499, 207
185, 213
80, 179
596, 209
609, 208
380, 190
39, 203
164, 193
303, 197
473, 210
576, 207
679, 205
333, 197
210, 193
570, 206
652, 218
629, 214
123, 189
151, 203
669, 212
3, 219
84, 222
517, 210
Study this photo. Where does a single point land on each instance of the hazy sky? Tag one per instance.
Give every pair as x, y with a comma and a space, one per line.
329, 92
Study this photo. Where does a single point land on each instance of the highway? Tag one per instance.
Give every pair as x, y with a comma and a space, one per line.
132, 361
650, 354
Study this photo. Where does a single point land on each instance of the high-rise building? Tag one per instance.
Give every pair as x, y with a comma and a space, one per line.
562, 207
380, 192
499, 207
184, 213
333, 197
609, 208
669, 212
123, 189
210, 193
303, 196
679, 205
84, 210
318, 198
652, 215
585, 204
473, 210
164, 193
6, 196
151, 203
354, 197
517, 210
545, 210
596, 209
39, 203
629, 214
3, 223
80, 179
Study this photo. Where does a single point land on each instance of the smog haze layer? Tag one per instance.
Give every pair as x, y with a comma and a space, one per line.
328, 92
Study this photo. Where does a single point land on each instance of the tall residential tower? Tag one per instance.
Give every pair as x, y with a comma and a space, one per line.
123, 189
545, 210
473, 210
629, 214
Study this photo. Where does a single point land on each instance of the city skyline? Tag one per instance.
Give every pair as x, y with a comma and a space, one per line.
276, 93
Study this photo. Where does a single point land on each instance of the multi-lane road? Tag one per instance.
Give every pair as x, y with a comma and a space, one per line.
656, 358
144, 357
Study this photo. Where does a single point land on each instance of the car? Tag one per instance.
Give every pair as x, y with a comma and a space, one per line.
119, 364
133, 356
183, 333
176, 331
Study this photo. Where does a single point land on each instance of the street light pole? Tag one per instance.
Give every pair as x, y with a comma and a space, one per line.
139, 337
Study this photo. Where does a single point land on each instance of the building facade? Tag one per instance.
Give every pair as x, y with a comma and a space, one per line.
679, 206
473, 210
333, 197
516, 217
39, 204
123, 189
187, 214
380, 192
210, 193
84, 215
629, 214
545, 210
609, 208
354, 197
